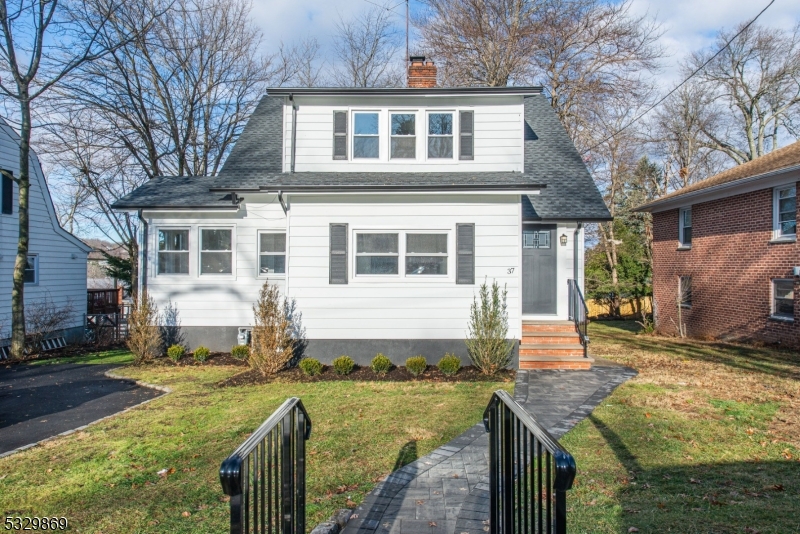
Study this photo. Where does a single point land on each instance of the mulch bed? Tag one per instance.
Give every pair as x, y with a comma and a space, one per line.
365, 374
215, 358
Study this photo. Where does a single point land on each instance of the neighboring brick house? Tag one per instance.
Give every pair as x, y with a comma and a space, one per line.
727, 248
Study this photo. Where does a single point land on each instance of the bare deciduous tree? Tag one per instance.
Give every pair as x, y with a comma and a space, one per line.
479, 42
753, 90
367, 50
42, 43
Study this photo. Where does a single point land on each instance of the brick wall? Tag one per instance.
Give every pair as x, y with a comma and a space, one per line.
732, 263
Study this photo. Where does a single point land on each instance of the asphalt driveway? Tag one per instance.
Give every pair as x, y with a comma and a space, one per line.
38, 402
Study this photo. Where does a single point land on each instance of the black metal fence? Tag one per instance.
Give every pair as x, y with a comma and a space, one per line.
266, 476
529, 472
579, 314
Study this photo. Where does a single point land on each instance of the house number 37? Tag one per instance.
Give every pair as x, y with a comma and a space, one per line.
510, 270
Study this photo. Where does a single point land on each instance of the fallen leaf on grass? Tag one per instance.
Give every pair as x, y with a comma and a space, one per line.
350, 504
166, 472
186, 514
694, 481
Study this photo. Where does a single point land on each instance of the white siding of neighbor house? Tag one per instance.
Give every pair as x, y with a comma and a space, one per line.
375, 308
498, 131
62, 257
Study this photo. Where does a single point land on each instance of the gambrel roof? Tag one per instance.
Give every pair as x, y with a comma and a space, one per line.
553, 167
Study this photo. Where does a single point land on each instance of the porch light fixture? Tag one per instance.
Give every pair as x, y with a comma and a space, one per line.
563, 240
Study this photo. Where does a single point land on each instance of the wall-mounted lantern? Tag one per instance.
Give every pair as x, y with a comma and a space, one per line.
563, 240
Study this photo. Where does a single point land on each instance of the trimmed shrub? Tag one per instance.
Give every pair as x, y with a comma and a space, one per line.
416, 365
176, 352
487, 343
449, 364
310, 366
381, 364
240, 352
344, 365
201, 353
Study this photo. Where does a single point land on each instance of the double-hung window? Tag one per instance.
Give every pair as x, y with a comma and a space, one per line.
377, 253
272, 253
366, 139
31, 275
403, 138
440, 136
216, 251
426, 254
785, 211
685, 229
173, 251
783, 299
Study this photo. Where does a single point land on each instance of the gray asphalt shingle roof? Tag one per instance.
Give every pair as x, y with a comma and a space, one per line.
552, 165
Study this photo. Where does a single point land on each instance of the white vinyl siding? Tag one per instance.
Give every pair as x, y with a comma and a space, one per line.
60, 258
497, 138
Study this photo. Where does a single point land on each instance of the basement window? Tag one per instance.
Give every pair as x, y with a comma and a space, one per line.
783, 299
685, 291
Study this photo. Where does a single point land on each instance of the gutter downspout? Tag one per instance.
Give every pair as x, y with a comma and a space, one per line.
576, 256
294, 128
142, 283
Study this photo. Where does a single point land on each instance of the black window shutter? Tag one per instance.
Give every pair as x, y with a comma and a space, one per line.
466, 140
339, 135
8, 195
338, 253
465, 254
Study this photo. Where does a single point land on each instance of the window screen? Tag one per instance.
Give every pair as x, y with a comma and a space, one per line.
426, 254
404, 138
173, 252
377, 254
272, 253
440, 135
216, 252
365, 136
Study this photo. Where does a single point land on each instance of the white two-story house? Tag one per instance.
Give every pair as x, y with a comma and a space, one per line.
380, 212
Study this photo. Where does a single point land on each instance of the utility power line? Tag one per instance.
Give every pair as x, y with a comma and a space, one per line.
698, 69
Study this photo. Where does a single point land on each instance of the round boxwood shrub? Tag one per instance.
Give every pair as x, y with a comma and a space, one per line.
344, 365
381, 364
310, 366
449, 364
240, 352
201, 353
416, 365
176, 352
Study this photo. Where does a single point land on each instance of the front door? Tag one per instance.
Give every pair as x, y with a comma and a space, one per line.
539, 283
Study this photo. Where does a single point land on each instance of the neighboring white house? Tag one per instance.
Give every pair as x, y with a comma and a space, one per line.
380, 212
56, 259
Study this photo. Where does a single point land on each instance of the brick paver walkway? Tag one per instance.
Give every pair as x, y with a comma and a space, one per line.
446, 492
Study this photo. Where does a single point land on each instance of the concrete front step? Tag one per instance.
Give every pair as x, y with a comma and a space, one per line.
555, 362
547, 326
558, 338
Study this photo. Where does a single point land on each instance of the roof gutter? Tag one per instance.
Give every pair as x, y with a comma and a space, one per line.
141, 286
680, 199
392, 188
397, 91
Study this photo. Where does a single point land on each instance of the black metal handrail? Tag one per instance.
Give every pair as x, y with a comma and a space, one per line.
529, 472
579, 314
265, 476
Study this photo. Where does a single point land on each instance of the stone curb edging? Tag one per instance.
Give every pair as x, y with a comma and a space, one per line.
109, 374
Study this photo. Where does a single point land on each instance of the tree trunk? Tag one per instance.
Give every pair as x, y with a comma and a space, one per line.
23, 182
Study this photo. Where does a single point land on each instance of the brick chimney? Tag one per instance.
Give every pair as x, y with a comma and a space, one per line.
421, 73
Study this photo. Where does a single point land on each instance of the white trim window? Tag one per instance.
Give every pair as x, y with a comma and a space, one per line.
403, 138
377, 253
784, 210
366, 135
426, 254
783, 298
32, 270
440, 135
685, 228
173, 251
216, 251
272, 253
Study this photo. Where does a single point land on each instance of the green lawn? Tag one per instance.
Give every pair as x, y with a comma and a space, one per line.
104, 479
705, 439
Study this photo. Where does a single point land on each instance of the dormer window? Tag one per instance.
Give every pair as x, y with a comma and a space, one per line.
366, 139
404, 138
440, 136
